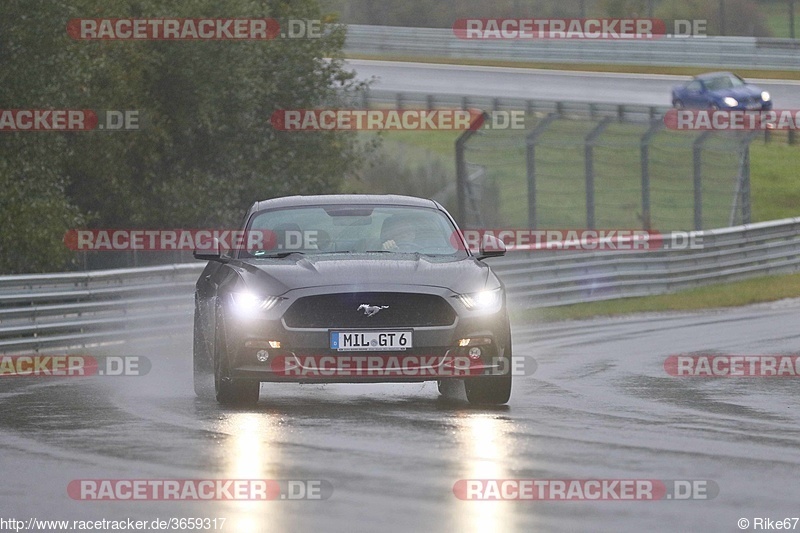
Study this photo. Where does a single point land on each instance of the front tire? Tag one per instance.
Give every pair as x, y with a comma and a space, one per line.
491, 390
201, 362
230, 391
488, 390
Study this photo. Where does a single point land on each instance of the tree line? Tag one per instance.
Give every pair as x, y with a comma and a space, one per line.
204, 150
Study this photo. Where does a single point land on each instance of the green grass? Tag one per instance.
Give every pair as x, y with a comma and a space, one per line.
560, 174
776, 15
763, 289
775, 180
441, 142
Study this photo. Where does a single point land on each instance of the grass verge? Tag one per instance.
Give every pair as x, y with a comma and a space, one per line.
773, 169
763, 289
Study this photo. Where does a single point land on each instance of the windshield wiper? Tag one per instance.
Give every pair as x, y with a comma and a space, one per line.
416, 252
279, 255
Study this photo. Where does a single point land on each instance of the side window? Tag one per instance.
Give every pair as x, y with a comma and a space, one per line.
695, 86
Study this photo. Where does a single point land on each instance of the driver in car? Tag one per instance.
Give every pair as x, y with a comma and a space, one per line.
398, 231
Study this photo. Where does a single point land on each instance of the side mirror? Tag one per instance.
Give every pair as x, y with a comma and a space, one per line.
213, 254
207, 255
491, 246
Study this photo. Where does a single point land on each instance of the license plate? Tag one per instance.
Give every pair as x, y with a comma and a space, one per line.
370, 340
754, 105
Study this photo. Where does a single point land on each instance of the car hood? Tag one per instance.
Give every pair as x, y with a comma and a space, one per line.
278, 276
747, 91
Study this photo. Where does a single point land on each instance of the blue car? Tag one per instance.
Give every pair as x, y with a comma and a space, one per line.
720, 90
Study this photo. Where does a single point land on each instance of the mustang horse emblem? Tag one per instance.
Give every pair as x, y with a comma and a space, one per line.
370, 310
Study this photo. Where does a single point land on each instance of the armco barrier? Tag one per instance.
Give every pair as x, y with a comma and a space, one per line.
73, 310
717, 52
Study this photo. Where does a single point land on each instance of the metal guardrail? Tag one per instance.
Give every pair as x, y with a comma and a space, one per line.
376, 98
74, 310
60, 311
721, 52
550, 278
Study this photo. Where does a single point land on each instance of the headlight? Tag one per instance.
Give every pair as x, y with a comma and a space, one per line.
730, 102
765, 96
483, 300
247, 302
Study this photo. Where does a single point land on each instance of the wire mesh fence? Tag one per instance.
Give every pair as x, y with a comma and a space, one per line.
568, 171
587, 164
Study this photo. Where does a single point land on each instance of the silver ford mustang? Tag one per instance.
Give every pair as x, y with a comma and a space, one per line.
350, 289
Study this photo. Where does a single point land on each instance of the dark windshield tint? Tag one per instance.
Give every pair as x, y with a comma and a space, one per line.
721, 83
353, 229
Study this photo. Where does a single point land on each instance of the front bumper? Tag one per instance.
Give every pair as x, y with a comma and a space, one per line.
304, 354
753, 106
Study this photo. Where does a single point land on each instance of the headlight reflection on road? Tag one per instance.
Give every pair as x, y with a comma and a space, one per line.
253, 453
485, 448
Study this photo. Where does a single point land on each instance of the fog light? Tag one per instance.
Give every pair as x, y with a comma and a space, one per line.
474, 341
256, 344
262, 356
262, 344
475, 352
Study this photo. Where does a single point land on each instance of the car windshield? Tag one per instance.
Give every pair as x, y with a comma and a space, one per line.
351, 229
724, 82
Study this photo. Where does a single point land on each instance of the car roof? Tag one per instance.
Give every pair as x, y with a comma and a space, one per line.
711, 75
344, 199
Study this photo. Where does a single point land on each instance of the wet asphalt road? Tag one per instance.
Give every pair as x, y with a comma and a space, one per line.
506, 82
600, 405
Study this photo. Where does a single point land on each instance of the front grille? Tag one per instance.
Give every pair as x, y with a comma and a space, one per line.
342, 311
